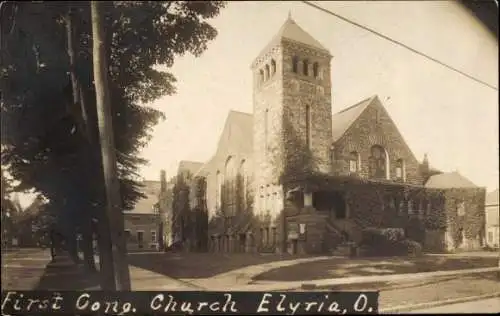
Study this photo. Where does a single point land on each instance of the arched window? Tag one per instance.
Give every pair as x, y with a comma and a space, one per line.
308, 126
400, 170
354, 162
273, 67
243, 184
379, 162
316, 70
305, 65
261, 76
230, 186
333, 157
267, 72
295, 64
218, 190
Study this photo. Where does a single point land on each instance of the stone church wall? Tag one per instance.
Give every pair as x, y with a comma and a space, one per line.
365, 133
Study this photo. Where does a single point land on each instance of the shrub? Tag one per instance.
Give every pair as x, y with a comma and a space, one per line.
411, 247
380, 242
394, 234
388, 242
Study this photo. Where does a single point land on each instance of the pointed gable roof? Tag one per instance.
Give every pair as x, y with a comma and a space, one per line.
341, 121
449, 180
291, 31
238, 133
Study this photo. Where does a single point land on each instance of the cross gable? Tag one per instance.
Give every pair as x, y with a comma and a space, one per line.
369, 124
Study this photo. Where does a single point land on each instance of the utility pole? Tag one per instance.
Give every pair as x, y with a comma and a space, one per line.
103, 103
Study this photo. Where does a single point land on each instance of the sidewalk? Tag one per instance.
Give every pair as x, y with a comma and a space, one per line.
325, 283
245, 275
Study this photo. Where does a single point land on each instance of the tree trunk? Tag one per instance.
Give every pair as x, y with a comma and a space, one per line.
78, 106
87, 245
113, 198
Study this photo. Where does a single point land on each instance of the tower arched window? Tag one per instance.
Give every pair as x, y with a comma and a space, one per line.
316, 70
400, 170
305, 65
379, 163
333, 157
261, 76
267, 72
354, 162
273, 67
295, 64
308, 126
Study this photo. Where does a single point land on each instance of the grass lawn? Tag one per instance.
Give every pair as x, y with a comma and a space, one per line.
401, 293
200, 265
340, 267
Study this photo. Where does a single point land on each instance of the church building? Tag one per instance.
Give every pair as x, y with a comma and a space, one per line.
292, 177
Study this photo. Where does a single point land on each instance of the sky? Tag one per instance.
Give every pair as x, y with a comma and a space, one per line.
439, 112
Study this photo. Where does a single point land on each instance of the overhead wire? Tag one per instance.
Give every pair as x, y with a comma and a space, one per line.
400, 44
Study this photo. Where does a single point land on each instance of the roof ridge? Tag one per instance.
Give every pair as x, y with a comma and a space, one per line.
355, 105
240, 112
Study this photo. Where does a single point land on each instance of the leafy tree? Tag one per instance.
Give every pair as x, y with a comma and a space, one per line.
49, 136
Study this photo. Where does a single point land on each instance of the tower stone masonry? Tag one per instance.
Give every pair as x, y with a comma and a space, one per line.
292, 110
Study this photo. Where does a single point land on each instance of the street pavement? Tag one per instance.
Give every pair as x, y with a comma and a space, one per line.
491, 305
23, 269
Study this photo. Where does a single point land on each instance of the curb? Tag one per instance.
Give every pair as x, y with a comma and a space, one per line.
409, 276
408, 308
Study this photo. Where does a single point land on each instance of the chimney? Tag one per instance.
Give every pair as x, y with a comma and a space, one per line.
163, 181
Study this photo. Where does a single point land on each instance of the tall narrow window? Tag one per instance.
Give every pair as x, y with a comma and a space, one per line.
267, 72
261, 76
379, 161
308, 126
305, 65
353, 162
218, 192
410, 207
242, 186
401, 208
266, 128
273, 67
295, 64
316, 70
230, 200
400, 170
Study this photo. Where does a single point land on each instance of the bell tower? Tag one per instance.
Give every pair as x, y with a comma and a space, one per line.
292, 111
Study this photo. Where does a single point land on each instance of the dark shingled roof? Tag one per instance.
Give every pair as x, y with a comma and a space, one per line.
449, 180
291, 31
342, 120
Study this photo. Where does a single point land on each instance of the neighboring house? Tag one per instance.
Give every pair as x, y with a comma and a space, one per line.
492, 222
142, 224
292, 177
